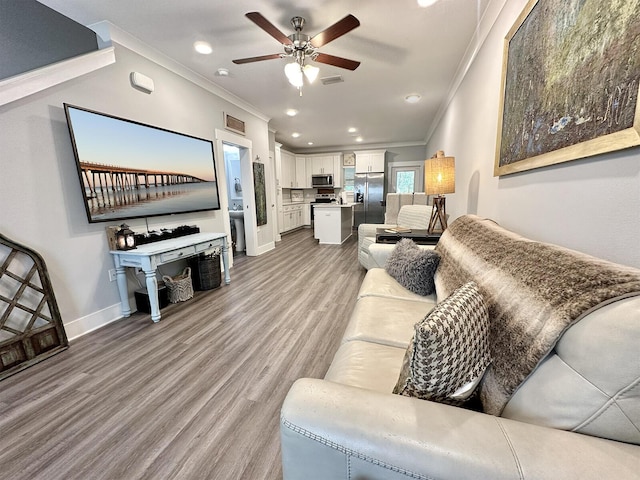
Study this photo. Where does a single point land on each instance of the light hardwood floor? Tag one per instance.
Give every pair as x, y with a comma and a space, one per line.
196, 396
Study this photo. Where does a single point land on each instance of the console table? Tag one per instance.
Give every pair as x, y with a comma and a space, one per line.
148, 257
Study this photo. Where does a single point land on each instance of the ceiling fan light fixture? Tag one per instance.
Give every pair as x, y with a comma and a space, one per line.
294, 74
311, 72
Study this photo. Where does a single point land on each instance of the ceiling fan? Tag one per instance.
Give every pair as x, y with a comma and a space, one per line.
300, 46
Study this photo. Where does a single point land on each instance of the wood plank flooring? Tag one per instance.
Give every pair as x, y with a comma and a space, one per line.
196, 396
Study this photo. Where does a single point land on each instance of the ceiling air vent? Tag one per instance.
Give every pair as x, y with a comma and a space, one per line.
330, 80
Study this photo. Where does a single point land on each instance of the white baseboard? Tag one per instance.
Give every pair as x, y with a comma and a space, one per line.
81, 326
266, 248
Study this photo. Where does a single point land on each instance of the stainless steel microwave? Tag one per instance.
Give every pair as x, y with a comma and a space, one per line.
322, 181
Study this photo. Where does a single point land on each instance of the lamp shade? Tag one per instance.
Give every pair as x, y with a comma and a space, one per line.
440, 174
293, 71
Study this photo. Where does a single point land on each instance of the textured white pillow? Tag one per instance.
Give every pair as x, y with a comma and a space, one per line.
449, 349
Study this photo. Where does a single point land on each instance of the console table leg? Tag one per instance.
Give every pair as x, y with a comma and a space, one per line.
225, 261
152, 290
121, 280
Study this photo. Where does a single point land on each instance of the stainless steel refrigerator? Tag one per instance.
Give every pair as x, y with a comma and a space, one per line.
369, 197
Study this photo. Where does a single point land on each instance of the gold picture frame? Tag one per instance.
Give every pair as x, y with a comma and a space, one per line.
569, 90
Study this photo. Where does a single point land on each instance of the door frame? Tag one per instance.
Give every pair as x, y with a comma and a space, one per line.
246, 168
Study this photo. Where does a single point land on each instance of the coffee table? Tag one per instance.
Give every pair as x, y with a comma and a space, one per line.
421, 237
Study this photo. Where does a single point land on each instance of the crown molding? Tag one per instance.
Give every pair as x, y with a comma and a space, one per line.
108, 32
484, 27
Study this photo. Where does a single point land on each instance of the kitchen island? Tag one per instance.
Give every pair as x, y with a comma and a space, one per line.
332, 222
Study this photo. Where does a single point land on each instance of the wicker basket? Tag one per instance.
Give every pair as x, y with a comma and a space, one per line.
179, 287
205, 271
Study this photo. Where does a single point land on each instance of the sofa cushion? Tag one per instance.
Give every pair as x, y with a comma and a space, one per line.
387, 321
414, 216
413, 267
450, 348
366, 365
378, 283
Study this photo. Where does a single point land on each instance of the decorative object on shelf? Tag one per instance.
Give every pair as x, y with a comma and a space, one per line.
112, 230
165, 234
439, 178
300, 47
125, 238
31, 328
233, 124
180, 287
582, 83
349, 160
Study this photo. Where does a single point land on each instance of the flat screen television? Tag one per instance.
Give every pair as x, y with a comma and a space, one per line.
131, 170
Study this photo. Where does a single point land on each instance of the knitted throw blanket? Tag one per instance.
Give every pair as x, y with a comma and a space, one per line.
535, 291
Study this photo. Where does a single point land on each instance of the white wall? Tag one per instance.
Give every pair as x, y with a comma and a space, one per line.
39, 191
591, 205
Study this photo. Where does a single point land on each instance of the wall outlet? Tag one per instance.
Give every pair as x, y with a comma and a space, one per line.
112, 275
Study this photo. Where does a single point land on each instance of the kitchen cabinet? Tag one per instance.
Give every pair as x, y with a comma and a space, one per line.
368, 161
302, 179
332, 223
293, 171
320, 165
292, 217
287, 169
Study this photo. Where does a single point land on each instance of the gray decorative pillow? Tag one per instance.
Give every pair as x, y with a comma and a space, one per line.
413, 267
449, 349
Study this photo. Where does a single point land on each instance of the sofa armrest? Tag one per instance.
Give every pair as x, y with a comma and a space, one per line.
369, 229
329, 430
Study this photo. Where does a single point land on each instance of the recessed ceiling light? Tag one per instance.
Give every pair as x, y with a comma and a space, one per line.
309, 143
292, 112
222, 72
426, 3
352, 130
203, 47
358, 139
295, 134
412, 98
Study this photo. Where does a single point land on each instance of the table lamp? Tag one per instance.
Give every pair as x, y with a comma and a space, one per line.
439, 178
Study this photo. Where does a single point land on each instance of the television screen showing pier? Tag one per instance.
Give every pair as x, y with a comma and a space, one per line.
131, 170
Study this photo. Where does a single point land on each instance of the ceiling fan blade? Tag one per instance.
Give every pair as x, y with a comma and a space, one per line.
337, 61
268, 27
336, 30
257, 59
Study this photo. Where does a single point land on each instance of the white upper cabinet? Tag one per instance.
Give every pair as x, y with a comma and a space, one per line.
368, 161
288, 170
302, 180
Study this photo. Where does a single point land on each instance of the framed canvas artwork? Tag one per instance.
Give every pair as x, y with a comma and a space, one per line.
570, 82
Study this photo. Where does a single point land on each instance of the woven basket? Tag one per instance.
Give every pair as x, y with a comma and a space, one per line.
205, 271
179, 288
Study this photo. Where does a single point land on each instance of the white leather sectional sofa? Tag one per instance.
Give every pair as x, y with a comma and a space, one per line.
576, 416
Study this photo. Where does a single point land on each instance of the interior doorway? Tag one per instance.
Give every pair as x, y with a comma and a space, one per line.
237, 202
